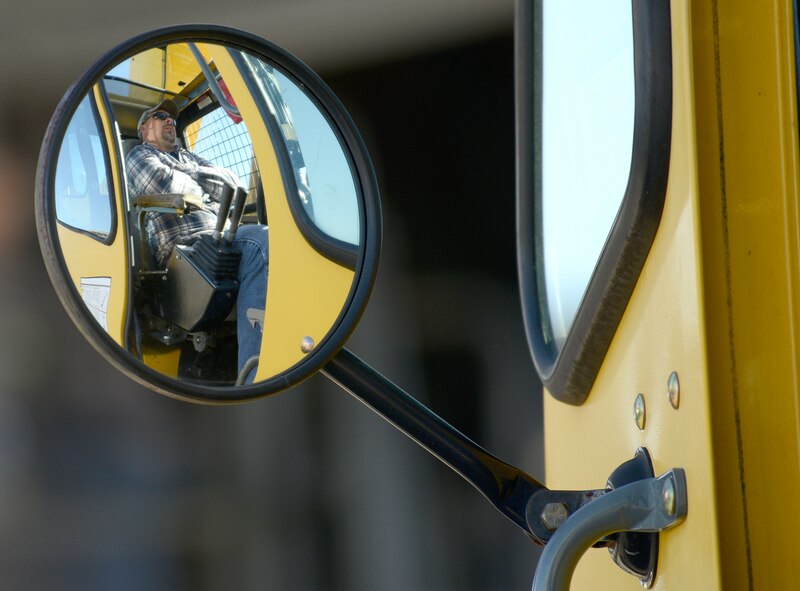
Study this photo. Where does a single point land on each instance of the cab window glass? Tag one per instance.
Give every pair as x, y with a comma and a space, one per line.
82, 178
584, 146
223, 139
322, 174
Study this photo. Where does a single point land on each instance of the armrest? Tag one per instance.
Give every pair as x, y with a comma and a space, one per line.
179, 202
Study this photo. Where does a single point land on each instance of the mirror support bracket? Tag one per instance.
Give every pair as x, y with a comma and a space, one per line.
649, 505
540, 512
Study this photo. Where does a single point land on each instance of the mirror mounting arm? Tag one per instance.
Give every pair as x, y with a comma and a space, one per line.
536, 509
508, 488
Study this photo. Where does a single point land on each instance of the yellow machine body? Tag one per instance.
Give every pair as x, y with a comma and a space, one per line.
717, 303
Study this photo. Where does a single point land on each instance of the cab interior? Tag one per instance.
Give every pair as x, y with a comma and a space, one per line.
209, 125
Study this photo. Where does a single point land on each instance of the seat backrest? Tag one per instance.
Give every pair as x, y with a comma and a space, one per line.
129, 144
144, 260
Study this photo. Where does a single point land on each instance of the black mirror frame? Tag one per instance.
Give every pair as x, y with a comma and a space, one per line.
570, 374
364, 178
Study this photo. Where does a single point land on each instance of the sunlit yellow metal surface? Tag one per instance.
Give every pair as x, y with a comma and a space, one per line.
171, 69
88, 259
716, 302
180, 67
306, 291
146, 67
749, 182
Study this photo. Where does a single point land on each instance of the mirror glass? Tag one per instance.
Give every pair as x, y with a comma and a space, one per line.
586, 139
207, 212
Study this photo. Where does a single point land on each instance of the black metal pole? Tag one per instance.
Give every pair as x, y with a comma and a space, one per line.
508, 488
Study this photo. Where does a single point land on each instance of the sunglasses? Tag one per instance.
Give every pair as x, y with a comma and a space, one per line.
162, 116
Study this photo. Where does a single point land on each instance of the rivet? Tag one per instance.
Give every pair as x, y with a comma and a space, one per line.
640, 411
674, 390
668, 496
306, 344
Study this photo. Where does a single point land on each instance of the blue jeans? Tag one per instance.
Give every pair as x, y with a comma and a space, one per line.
252, 241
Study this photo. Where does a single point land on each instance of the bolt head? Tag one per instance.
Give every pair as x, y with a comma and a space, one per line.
553, 515
668, 496
674, 390
306, 344
640, 411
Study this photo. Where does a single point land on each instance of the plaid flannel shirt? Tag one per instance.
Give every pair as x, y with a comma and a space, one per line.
152, 171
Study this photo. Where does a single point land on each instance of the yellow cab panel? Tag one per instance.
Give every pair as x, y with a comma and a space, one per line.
701, 366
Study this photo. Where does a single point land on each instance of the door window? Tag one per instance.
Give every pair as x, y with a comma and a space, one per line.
586, 143
594, 112
322, 174
225, 142
82, 181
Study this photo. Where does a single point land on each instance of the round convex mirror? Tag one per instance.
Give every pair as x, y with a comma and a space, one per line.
208, 213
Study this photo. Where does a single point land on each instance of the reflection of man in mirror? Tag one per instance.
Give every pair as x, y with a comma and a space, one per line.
159, 165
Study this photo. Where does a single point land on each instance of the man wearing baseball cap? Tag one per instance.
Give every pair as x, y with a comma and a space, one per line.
159, 165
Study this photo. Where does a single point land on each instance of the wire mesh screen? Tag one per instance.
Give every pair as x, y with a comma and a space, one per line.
219, 139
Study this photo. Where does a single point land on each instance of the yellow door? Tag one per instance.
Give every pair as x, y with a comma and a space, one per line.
91, 215
708, 339
306, 290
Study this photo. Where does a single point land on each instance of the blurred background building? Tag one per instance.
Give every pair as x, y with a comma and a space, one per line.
105, 485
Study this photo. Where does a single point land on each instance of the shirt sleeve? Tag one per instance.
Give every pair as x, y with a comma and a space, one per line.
147, 175
209, 175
